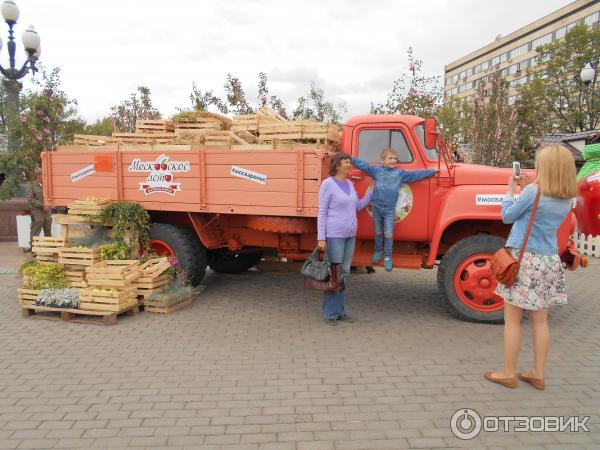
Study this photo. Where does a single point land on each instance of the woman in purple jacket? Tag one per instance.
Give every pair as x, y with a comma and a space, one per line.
336, 228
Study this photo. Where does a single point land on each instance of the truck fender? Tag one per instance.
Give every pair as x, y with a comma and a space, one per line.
461, 203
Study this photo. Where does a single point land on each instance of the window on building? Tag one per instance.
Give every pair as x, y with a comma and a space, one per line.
592, 18
469, 72
371, 142
496, 61
541, 41
521, 50
513, 69
504, 72
532, 61
560, 33
462, 75
571, 26
503, 57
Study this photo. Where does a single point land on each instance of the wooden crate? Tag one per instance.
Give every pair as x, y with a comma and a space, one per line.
153, 276
201, 123
95, 299
87, 207
252, 122
79, 315
141, 138
321, 131
27, 296
76, 256
153, 126
290, 130
76, 278
145, 286
91, 140
47, 246
218, 139
153, 307
113, 273
73, 219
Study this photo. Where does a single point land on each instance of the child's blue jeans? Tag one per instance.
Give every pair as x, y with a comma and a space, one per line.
384, 219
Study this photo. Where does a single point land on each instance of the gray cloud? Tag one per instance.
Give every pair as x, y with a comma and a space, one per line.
354, 49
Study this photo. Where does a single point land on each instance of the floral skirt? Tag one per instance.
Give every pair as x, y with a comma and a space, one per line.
541, 283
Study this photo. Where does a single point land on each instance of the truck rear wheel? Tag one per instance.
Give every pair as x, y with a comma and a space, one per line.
181, 242
225, 261
465, 279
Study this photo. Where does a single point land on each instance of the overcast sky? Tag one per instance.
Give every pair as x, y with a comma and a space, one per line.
354, 49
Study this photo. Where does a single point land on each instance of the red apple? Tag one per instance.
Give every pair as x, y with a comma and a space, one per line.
157, 166
164, 167
168, 177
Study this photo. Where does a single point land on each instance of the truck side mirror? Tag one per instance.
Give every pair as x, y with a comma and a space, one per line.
430, 133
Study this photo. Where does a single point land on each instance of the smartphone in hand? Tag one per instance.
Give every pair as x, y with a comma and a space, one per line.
517, 169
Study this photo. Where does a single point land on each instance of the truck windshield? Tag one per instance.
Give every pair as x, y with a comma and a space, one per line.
432, 154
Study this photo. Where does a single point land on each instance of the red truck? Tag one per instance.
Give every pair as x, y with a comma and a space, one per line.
225, 208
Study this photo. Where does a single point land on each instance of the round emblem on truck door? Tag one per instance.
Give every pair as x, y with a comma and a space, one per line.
403, 205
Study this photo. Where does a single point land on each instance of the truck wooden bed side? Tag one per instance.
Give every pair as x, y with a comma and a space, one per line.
201, 179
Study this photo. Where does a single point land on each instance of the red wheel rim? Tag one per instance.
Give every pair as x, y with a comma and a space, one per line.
161, 248
475, 285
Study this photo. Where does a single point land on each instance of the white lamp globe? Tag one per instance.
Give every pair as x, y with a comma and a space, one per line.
10, 11
31, 40
587, 73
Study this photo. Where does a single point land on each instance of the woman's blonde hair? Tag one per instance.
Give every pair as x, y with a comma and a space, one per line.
555, 172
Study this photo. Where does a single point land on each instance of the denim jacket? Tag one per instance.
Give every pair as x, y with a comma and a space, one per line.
550, 214
388, 181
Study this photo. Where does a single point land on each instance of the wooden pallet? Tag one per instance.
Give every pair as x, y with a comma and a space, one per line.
79, 315
95, 299
151, 308
155, 267
114, 273
27, 297
75, 256
153, 126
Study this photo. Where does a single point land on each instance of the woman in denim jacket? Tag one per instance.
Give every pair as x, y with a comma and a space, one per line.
541, 280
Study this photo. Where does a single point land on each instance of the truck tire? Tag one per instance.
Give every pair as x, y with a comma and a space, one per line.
465, 279
167, 239
225, 261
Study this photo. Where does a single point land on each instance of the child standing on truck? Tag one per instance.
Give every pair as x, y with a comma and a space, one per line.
388, 180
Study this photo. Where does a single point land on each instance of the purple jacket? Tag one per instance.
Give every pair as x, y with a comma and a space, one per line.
337, 210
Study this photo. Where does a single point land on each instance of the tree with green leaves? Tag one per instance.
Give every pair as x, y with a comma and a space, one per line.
413, 92
493, 132
264, 99
571, 105
102, 127
138, 106
236, 97
316, 107
202, 101
48, 117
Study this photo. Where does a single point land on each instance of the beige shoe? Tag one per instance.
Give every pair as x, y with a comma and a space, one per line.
537, 383
506, 382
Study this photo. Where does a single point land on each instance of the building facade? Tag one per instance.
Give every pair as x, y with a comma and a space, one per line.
513, 55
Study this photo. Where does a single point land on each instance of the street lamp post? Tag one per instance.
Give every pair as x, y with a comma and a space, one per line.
589, 77
31, 42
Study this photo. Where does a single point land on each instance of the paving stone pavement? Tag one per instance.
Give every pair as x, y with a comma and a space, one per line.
250, 365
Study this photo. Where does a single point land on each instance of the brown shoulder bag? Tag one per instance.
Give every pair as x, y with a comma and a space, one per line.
504, 266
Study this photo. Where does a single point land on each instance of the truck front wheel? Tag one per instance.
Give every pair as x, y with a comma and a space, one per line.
225, 261
465, 279
183, 243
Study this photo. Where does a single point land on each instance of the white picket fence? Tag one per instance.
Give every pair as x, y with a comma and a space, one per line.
587, 245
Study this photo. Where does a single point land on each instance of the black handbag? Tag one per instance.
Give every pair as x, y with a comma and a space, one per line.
315, 269
334, 283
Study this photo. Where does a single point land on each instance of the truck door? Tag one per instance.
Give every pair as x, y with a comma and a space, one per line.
412, 209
